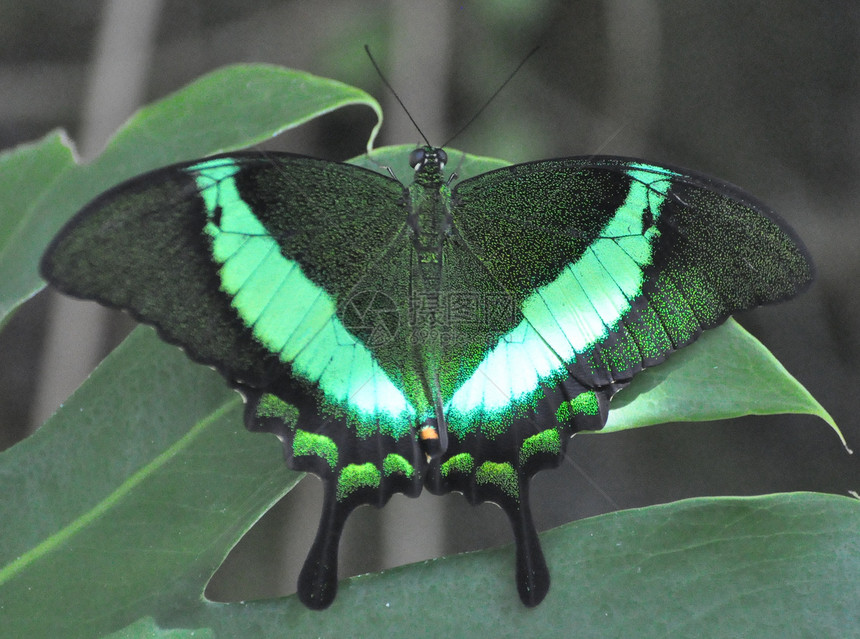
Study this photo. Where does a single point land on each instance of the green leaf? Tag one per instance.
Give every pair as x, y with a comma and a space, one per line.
26, 175
774, 566
130, 497
230, 108
718, 377
147, 628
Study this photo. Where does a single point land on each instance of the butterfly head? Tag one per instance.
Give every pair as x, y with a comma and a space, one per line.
427, 156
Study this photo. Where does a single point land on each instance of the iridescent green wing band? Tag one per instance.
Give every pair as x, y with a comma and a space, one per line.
294, 318
632, 261
580, 308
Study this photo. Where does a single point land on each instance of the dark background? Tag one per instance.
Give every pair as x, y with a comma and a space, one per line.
764, 95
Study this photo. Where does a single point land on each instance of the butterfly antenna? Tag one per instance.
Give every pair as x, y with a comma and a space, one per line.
394, 93
493, 97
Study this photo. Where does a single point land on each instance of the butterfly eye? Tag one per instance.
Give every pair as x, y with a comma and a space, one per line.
443, 158
417, 158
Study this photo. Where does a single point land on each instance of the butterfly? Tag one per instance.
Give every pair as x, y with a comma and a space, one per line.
442, 335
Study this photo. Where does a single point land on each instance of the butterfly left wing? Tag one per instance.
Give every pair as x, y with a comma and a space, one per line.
248, 262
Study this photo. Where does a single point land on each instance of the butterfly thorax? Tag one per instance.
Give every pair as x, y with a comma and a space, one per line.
429, 216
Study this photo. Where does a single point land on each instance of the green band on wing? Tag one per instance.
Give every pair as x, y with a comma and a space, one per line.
305, 443
273, 406
499, 474
462, 464
356, 476
575, 311
395, 464
583, 404
548, 441
290, 315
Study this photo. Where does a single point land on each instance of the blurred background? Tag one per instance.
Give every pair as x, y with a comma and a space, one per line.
764, 95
